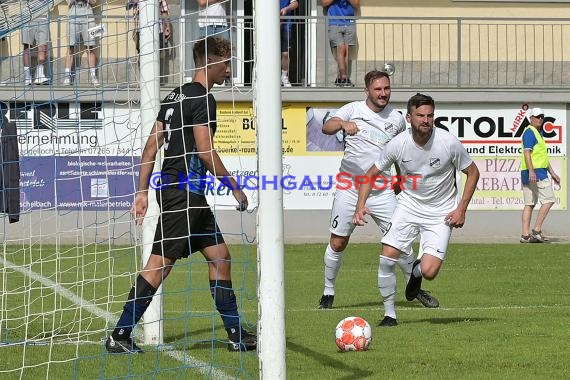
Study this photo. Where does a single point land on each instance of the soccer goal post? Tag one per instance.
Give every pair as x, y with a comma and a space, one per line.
267, 108
149, 106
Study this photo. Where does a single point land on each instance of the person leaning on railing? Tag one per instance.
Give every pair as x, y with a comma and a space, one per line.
80, 21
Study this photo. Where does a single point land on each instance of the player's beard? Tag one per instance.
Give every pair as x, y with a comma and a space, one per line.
380, 104
423, 131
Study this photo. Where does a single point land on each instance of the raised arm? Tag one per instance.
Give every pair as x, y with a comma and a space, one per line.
335, 124
294, 4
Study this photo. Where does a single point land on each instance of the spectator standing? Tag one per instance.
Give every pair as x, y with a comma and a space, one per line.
212, 21
286, 8
36, 33
342, 34
165, 23
80, 21
537, 186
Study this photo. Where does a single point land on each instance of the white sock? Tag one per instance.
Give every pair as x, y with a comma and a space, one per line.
26, 71
93, 71
333, 261
417, 272
406, 262
67, 71
387, 284
40, 71
284, 74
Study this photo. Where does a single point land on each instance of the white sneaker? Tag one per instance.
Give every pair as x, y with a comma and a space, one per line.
42, 79
27, 80
93, 80
285, 81
67, 80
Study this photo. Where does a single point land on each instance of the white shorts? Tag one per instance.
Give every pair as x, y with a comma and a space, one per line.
406, 226
80, 21
380, 203
540, 191
36, 31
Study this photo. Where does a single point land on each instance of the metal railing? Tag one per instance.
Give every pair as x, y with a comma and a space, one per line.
426, 52
454, 52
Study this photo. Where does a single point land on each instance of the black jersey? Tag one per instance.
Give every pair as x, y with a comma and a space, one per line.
185, 107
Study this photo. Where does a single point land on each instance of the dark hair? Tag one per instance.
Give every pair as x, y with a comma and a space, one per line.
371, 76
210, 46
419, 100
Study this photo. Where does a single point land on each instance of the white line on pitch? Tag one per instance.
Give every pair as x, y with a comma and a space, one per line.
202, 367
467, 308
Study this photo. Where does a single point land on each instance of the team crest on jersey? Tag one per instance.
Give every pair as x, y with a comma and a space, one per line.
390, 128
434, 162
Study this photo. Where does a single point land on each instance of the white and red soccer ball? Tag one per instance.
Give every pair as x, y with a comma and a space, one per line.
353, 334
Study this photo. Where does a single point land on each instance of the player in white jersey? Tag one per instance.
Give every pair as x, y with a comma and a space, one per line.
367, 126
428, 205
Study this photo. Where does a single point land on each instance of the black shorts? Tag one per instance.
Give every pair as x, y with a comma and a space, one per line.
186, 224
285, 37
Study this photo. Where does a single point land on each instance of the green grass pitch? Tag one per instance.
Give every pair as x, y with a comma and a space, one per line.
503, 315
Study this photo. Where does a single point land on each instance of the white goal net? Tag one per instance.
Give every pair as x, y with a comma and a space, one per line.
70, 249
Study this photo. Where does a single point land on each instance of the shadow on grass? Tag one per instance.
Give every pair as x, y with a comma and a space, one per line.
445, 321
330, 362
327, 360
412, 304
185, 341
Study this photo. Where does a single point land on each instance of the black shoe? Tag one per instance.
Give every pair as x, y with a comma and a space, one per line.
326, 302
241, 340
414, 284
123, 346
347, 83
338, 82
388, 322
427, 299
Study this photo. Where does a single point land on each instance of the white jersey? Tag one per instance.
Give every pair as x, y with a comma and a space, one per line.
216, 13
435, 164
375, 130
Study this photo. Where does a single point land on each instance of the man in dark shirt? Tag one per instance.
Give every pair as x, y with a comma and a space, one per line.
185, 126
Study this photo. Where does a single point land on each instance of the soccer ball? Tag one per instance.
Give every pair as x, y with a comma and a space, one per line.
353, 334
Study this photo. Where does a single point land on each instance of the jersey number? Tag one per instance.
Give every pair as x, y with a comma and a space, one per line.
168, 118
334, 222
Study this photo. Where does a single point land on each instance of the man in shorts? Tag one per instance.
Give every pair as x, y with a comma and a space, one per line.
367, 126
537, 187
185, 126
80, 21
430, 208
36, 33
342, 34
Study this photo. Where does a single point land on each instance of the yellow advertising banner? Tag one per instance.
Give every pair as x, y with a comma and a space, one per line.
235, 134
